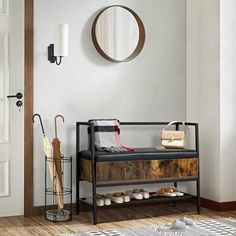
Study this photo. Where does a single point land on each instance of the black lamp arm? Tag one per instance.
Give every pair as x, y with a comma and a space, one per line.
51, 57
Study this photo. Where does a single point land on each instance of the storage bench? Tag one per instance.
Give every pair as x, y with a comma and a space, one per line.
144, 165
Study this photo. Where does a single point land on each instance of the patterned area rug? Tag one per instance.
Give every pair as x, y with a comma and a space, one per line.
220, 227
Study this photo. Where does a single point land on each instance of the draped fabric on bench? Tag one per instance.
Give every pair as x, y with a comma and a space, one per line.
107, 136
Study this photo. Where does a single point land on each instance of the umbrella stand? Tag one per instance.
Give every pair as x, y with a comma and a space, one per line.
47, 148
53, 212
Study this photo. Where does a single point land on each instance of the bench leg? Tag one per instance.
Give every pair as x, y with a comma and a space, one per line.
94, 204
77, 187
175, 185
198, 197
94, 183
77, 199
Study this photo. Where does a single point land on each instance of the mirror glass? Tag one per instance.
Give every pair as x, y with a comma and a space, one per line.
117, 35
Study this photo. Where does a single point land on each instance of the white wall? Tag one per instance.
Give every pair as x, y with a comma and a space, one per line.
211, 92
203, 88
152, 87
228, 98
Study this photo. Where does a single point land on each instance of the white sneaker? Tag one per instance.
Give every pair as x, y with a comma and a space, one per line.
106, 201
145, 194
99, 202
131, 194
126, 198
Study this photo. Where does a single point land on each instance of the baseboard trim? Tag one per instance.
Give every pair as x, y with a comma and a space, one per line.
207, 203
218, 206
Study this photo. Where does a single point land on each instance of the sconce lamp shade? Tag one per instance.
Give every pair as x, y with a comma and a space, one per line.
61, 40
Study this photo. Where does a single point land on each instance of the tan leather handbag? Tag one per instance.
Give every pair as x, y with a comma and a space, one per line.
173, 138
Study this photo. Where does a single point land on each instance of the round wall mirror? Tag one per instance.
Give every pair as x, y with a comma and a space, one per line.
118, 33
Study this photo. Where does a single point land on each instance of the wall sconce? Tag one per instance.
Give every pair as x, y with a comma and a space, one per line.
61, 45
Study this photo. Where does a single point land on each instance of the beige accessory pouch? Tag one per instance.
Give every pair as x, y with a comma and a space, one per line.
173, 138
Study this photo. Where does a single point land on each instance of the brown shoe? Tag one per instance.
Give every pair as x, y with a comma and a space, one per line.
115, 198
165, 192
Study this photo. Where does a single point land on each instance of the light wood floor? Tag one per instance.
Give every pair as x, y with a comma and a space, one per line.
114, 218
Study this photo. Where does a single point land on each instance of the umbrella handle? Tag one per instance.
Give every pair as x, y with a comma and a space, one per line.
56, 123
41, 123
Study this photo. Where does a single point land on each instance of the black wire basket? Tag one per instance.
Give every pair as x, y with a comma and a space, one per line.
58, 189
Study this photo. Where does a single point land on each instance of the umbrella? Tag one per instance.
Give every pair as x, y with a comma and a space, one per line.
47, 148
57, 150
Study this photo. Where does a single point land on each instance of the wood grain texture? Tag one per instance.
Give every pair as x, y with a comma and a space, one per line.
140, 170
28, 101
115, 218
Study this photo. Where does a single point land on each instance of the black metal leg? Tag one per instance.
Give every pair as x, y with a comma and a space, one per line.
175, 185
94, 175
198, 197
77, 188
94, 196
198, 180
77, 197
77, 169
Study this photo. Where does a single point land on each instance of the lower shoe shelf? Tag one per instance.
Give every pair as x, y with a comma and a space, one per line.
152, 199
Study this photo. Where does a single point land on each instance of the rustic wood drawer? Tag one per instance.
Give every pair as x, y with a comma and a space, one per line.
136, 171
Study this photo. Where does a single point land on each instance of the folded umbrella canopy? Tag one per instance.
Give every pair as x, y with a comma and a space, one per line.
47, 148
57, 151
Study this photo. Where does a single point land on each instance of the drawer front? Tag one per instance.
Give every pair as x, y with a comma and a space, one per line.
130, 171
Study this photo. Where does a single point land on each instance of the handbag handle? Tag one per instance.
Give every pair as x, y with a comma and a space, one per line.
173, 122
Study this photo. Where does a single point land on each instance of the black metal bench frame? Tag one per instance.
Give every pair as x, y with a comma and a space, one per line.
94, 162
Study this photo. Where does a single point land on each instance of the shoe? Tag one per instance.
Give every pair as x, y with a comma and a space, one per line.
114, 198
177, 192
131, 194
126, 198
165, 192
107, 201
145, 194
177, 224
186, 220
99, 202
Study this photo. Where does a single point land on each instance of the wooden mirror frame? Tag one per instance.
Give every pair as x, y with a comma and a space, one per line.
141, 40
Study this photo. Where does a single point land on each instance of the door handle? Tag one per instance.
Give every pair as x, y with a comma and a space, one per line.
18, 96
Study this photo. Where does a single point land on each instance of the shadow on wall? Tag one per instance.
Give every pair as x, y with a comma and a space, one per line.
87, 44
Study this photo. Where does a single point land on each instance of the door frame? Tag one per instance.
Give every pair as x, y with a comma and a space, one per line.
28, 107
